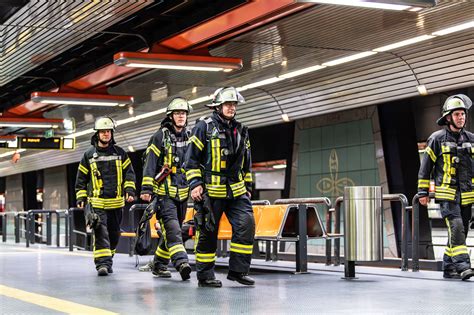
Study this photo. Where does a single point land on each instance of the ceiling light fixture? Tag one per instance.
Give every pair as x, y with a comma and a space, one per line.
453, 29
260, 83
378, 4
301, 71
15, 122
349, 58
81, 99
177, 61
404, 43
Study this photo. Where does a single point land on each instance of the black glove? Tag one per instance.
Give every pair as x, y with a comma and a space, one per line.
92, 218
204, 217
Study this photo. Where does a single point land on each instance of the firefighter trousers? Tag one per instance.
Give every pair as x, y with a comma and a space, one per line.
170, 214
106, 236
456, 255
239, 212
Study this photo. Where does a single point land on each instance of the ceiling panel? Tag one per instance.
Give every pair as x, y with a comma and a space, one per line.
314, 36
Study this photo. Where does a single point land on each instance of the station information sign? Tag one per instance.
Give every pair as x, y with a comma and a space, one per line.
54, 143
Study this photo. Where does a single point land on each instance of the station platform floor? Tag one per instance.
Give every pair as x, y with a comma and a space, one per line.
48, 280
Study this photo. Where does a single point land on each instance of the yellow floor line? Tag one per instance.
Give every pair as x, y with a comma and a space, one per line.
51, 302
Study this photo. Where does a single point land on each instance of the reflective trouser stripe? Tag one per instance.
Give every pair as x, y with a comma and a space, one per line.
162, 253
241, 248
204, 258
102, 253
176, 249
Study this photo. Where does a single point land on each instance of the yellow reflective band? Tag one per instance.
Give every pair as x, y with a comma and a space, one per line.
118, 164
241, 245
126, 163
193, 173
176, 249
99, 253
430, 152
129, 183
113, 251
449, 231
248, 177
154, 149
162, 253
446, 165
216, 160
423, 183
81, 194
197, 142
83, 169
205, 257
241, 251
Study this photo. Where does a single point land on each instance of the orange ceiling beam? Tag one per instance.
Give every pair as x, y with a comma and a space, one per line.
241, 19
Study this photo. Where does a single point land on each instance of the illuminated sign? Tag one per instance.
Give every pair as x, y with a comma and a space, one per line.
54, 143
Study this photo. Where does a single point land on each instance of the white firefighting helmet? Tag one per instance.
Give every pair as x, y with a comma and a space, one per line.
452, 103
178, 104
226, 94
104, 123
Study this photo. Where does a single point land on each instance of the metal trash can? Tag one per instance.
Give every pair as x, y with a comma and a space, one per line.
363, 234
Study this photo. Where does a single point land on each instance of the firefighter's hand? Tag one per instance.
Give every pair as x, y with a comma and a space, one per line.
249, 194
80, 204
129, 197
424, 200
196, 193
145, 197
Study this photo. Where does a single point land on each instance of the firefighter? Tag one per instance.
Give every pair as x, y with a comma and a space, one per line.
164, 176
448, 156
218, 169
104, 176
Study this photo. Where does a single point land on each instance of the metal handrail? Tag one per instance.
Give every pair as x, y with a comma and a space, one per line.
301, 244
72, 230
405, 228
23, 216
30, 227
260, 202
5, 223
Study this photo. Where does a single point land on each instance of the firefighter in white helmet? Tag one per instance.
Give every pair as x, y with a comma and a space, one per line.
105, 179
218, 168
165, 179
448, 157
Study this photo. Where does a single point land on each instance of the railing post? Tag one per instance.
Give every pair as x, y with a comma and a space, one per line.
415, 238
302, 243
4, 227
71, 229
58, 228
17, 228
49, 227
27, 230
328, 240
337, 230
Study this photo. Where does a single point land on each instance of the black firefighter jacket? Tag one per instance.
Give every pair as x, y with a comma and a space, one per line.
103, 176
219, 157
449, 156
166, 147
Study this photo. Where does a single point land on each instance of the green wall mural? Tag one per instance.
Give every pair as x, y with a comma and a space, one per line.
331, 157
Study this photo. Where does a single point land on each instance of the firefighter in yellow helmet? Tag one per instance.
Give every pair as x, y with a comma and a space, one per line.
105, 179
164, 177
448, 157
218, 168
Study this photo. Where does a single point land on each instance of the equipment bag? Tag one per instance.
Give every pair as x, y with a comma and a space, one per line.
143, 240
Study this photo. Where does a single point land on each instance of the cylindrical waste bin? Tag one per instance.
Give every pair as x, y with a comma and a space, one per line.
363, 236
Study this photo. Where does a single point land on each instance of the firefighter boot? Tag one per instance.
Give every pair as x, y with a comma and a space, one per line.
102, 271
210, 283
184, 270
161, 273
466, 274
241, 278
451, 274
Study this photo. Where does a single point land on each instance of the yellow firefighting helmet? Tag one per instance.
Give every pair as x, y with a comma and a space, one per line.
452, 103
104, 123
178, 104
226, 94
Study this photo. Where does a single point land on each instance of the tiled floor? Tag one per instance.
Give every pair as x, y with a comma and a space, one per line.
46, 280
